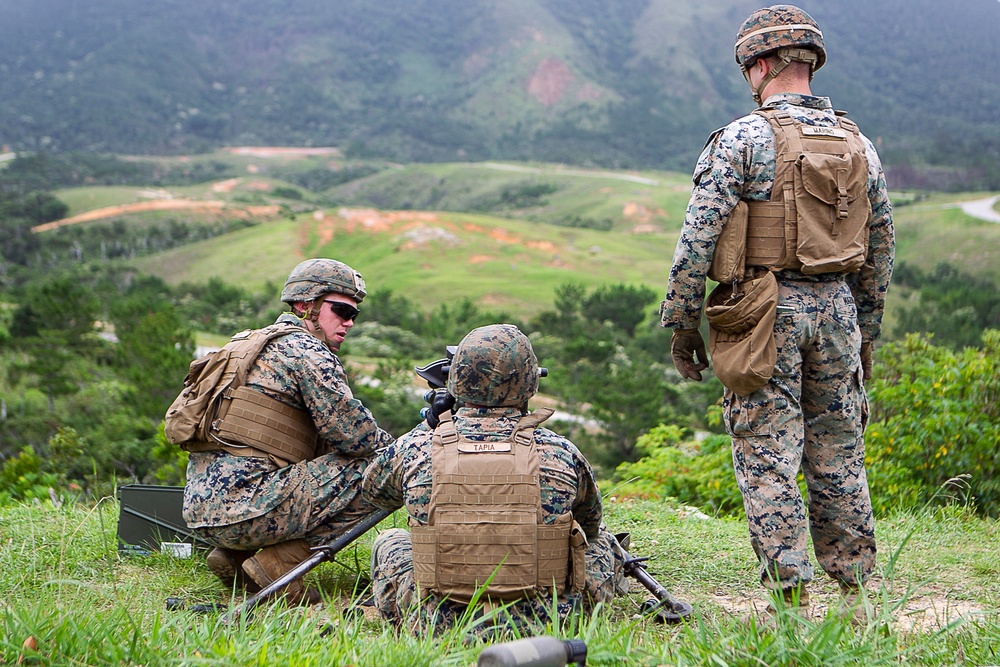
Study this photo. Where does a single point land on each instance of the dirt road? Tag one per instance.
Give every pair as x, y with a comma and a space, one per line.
160, 205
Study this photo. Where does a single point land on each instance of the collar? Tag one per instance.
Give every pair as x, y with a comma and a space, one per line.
474, 413
289, 318
797, 100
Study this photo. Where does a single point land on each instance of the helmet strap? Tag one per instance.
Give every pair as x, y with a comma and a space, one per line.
312, 316
785, 58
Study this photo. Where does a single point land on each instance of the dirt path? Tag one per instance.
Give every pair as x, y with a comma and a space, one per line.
923, 610
210, 205
982, 209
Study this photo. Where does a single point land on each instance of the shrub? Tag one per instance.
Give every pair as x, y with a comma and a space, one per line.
936, 416
697, 472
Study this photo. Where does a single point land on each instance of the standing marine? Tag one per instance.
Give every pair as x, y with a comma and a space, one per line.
789, 214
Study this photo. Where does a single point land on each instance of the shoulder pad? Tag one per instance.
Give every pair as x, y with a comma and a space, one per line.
712, 137
848, 124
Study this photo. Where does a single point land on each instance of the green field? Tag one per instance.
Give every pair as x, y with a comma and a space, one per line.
70, 598
509, 257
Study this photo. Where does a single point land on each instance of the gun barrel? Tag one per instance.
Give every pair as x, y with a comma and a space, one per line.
320, 554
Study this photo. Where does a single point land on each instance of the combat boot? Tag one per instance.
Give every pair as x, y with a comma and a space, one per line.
271, 562
853, 603
794, 599
227, 565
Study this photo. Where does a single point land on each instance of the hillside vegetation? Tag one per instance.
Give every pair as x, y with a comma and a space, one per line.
71, 598
628, 84
541, 225
113, 278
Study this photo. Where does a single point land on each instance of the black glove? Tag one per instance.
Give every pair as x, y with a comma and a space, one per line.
686, 345
440, 402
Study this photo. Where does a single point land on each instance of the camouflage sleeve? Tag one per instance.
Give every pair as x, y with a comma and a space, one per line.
299, 368
719, 178
869, 285
382, 485
567, 482
588, 509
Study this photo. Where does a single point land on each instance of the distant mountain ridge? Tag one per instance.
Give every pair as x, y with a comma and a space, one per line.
625, 84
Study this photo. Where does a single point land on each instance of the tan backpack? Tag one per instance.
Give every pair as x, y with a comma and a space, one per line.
816, 220
215, 408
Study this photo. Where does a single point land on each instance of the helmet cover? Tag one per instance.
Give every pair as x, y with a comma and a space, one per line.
494, 366
778, 27
313, 278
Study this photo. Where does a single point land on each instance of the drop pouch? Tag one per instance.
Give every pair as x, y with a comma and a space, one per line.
741, 332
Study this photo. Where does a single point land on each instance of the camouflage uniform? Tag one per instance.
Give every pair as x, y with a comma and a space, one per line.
813, 411
400, 476
246, 502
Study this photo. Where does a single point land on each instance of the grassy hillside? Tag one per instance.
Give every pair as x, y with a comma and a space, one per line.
431, 257
71, 598
506, 253
619, 200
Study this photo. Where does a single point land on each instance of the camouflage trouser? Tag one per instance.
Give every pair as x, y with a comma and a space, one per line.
397, 600
322, 502
811, 415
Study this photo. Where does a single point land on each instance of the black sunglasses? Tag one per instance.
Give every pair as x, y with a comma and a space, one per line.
344, 311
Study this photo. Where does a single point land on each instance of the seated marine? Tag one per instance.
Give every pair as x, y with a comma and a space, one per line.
505, 517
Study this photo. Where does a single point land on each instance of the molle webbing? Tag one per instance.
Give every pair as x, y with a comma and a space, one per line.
485, 519
248, 423
769, 241
819, 190
257, 420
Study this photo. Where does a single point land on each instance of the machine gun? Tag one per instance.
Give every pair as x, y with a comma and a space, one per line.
662, 607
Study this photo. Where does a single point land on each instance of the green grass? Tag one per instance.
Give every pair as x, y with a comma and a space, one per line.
88, 198
519, 276
66, 586
248, 257
625, 199
505, 264
930, 233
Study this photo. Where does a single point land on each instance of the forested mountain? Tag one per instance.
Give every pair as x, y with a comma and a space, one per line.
629, 83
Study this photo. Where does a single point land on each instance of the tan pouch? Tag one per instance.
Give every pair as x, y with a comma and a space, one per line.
578, 558
729, 258
833, 213
741, 333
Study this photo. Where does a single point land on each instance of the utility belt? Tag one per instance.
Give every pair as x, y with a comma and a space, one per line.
798, 276
234, 449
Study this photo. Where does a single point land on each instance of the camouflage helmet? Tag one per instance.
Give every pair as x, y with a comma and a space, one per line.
780, 27
494, 366
313, 278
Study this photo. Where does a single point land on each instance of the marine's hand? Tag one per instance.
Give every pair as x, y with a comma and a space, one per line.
440, 402
866, 361
687, 348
